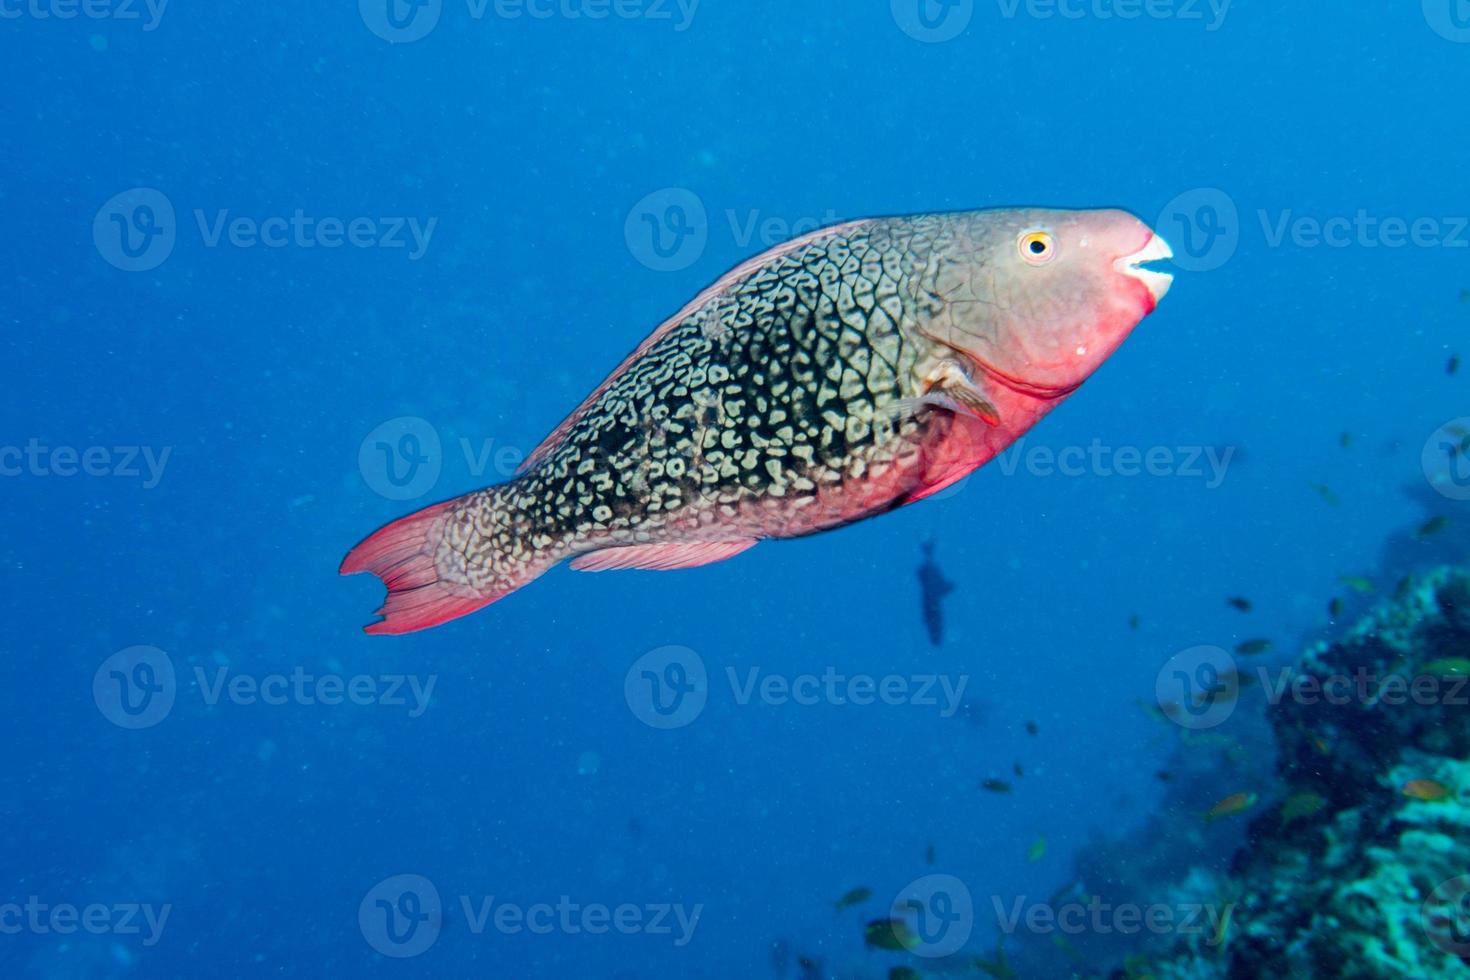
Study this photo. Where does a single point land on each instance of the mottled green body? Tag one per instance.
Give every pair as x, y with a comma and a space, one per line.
769, 409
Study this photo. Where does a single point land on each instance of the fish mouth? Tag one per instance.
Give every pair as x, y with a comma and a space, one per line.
1157, 283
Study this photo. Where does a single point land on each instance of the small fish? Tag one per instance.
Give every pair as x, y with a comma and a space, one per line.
1334, 609
1072, 890
1134, 622
1065, 945
1465, 296
1222, 930
933, 587
1231, 805
1018, 770
1225, 689
1252, 648
1154, 711
1453, 365
1300, 805
1239, 604
1432, 527
1037, 850
1345, 440
1137, 967
1357, 583
1325, 492
904, 973
1243, 680
840, 375
1032, 728
1164, 776
1446, 667
996, 786
1319, 743
1428, 790
929, 854
855, 897
891, 934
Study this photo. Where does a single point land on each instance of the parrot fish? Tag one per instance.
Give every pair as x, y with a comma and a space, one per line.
836, 377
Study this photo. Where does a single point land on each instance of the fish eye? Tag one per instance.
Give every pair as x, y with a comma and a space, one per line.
1037, 247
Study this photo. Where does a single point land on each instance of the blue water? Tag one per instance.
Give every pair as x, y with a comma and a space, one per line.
525, 151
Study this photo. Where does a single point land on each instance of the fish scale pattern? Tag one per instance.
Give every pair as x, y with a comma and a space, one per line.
769, 410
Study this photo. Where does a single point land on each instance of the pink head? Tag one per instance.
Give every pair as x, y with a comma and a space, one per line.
1039, 298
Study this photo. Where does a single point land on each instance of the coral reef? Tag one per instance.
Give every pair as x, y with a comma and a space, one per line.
1360, 867
1321, 829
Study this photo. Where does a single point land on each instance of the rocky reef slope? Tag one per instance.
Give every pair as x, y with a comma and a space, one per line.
1359, 864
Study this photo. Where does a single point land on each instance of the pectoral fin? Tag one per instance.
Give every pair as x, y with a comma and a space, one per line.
970, 402
950, 388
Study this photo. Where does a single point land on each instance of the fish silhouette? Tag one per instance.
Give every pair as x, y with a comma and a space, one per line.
933, 587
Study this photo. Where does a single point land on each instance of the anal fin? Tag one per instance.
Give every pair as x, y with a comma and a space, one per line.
661, 557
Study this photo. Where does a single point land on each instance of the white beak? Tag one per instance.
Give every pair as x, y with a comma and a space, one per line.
1158, 283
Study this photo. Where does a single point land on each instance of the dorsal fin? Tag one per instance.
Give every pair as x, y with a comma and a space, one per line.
736, 274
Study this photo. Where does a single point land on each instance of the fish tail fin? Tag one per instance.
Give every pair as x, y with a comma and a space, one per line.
405, 556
